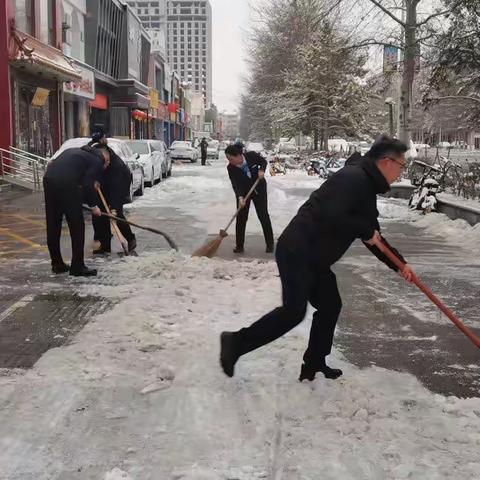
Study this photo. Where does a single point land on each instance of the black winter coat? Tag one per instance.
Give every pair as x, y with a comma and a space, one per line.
117, 181
241, 183
75, 168
343, 209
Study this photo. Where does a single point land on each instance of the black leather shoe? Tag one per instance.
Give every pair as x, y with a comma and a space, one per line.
83, 272
228, 353
308, 373
101, 251
238, 250
270, 249
132, 245
60, 268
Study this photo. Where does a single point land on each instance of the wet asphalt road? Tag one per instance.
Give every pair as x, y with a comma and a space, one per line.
384, 321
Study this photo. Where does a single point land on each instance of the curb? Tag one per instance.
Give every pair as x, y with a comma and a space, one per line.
453, 210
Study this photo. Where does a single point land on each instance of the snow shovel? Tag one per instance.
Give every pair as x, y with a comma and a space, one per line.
211, 247
148, 229
458, 323
116, 230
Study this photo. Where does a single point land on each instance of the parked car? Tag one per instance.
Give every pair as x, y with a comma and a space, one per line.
444, 145
213, 149
183, 150
159, 146
151, 160
121, 148
224, 145
335, 167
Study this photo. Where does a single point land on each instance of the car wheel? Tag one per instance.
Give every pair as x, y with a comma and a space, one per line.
131, 193
141, 189
151, 183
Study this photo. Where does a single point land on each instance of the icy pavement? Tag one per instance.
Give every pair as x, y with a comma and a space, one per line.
138, 394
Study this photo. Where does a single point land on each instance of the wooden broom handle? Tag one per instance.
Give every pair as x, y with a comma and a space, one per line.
457, 322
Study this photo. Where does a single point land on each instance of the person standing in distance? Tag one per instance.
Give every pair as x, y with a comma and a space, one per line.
203, 150
243, 170
69, 181
343, 209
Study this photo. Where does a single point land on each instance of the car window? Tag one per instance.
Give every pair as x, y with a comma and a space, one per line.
139, 147
180, 144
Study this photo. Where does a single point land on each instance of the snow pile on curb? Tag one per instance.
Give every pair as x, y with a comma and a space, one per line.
140, 392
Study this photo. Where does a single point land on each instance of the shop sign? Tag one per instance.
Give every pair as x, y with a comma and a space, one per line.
85, 87
154, 98
40, 97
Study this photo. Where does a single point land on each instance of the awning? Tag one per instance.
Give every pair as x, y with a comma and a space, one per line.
30, 54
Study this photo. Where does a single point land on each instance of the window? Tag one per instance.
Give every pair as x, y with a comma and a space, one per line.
23, 15
47, 32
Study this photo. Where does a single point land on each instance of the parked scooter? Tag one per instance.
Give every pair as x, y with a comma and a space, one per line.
277, 167
424, 197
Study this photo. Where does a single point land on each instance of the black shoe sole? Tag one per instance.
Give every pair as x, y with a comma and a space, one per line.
59, 271
84, 274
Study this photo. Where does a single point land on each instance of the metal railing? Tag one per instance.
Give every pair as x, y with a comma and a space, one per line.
22, 168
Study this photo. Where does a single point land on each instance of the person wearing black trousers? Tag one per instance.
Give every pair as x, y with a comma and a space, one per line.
70, 180
343, 209
203, 150
116, 181
243, 170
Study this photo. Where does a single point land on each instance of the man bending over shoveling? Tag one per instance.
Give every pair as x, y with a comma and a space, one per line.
343, 209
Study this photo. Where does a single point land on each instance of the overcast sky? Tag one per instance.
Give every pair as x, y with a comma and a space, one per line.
230, 21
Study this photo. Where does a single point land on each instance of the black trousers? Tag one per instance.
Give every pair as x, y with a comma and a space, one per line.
260, 201
302, 282
103, 231
204, 157
65, 200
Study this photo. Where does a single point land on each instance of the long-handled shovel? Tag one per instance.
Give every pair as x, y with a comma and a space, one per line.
458, 323
148, 229
116, 230
211, 247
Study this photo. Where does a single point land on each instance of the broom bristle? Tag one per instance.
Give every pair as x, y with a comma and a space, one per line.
209, 249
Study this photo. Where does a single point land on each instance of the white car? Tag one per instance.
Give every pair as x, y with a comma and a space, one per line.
183, 150
213, 149
444, 145
151, 160
121, 148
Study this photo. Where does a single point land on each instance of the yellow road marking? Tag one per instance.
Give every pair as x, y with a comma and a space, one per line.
26, 219
23, 240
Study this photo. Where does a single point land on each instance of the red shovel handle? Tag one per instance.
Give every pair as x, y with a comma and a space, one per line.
458, 323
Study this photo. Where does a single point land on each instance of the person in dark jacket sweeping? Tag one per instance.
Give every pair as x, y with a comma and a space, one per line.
204, 150
243, 170
70, 181
343, 209
116, 182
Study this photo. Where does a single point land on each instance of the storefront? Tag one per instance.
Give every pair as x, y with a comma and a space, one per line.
77, 95
37, 75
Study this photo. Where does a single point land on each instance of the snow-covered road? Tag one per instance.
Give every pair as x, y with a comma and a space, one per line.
139, 395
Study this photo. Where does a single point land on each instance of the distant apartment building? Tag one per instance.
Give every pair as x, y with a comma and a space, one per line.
231, 125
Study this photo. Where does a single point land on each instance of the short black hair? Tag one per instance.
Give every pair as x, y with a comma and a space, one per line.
386, 145
234, 150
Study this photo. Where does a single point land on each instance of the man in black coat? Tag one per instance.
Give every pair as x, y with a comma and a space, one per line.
116, 182
243, 170
204, 150
343, 209
70, 181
